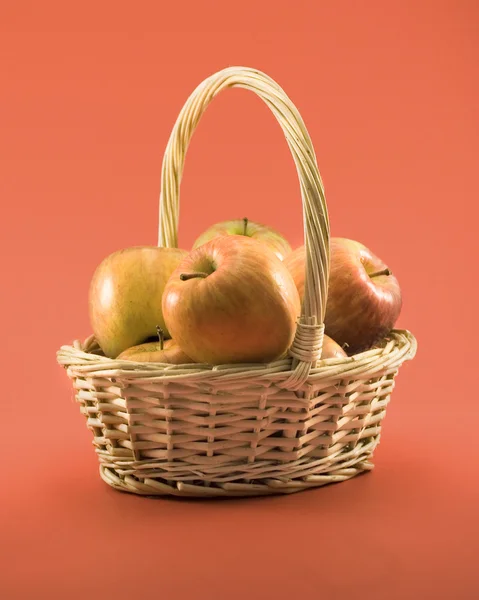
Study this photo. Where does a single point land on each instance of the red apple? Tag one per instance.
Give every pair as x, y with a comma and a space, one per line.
232, 300
126, 293
262, 233
160, 351
364, 297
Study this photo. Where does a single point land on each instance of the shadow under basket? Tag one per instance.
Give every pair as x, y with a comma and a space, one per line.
240, 430
225, 431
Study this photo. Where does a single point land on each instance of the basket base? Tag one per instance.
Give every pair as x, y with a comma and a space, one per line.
154, 487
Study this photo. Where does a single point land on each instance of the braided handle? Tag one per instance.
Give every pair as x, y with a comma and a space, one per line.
306, 348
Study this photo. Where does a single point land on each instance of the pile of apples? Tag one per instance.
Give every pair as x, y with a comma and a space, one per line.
235, 298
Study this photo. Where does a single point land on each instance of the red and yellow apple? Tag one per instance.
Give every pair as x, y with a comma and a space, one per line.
159, 351
364, 297
257, 231
126, 293
231, 300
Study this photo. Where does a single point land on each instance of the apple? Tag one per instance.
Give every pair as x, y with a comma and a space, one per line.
125, 296
159, 351
263, 233
296, 265
232, 301
364, 297
331, 349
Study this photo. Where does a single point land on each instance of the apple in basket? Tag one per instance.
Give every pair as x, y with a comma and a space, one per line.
262, 233
160, 351
364, 297
232, 301
125, 296
331, 349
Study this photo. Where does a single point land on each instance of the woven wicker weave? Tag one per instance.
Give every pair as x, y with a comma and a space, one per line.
240, 429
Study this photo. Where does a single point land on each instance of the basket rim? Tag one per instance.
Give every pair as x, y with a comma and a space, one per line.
80, 359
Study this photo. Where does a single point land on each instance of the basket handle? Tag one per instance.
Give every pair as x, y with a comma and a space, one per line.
307, 344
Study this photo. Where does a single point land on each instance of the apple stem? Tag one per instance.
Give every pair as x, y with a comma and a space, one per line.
161, 336
186, 276
245, 221
383, 272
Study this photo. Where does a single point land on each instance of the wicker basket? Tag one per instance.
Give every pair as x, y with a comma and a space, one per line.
240, 430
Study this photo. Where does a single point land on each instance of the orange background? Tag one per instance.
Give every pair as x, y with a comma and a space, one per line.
88, 95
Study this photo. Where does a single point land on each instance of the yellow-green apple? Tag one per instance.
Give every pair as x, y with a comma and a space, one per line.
364, 297
232, 300
262, 233
160, 351
126, 294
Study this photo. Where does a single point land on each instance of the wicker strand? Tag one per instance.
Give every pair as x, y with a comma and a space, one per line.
306, 351
308, 343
